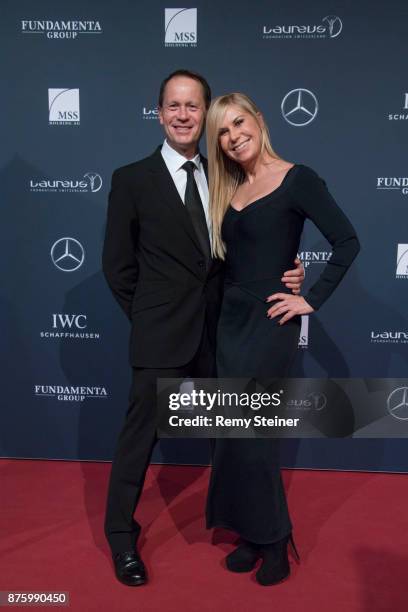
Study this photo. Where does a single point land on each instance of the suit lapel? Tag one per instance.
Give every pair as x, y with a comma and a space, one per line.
170, 196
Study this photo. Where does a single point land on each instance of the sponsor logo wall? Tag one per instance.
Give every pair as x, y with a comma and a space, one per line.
341, 112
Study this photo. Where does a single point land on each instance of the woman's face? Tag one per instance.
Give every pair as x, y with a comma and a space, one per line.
240, 135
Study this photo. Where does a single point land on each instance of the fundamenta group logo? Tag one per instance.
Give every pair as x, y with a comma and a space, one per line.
180, 27
314, 257
65, 393
63, 106
60, 29
393, 183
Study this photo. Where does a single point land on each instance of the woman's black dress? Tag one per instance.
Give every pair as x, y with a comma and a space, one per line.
246, 492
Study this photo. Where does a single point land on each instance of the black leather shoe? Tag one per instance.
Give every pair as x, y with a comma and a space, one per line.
129, 568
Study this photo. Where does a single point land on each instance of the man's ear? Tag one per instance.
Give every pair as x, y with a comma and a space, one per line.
160, 109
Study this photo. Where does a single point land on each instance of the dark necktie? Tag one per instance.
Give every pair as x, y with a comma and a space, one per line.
195, 208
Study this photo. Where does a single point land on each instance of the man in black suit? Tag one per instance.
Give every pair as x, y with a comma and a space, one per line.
157, 261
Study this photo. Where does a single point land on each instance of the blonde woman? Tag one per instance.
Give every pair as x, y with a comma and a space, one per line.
259, 203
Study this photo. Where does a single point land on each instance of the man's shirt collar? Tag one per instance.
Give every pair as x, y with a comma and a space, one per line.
174, 160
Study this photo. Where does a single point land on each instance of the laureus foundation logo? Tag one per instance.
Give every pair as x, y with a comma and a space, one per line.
63, 106
91, 182
313, 402
330, 27
402, 261
389, 337
149, 113
180, 27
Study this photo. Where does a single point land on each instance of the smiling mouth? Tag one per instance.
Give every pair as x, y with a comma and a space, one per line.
241, 145
182, 128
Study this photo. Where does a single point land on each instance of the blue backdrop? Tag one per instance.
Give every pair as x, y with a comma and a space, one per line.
81, 85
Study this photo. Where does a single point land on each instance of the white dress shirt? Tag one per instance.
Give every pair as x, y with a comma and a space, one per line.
174, 162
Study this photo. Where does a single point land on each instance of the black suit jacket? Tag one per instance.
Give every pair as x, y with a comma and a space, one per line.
155, 268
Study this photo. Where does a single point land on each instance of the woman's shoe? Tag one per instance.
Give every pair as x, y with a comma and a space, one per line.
275, 562
243, 558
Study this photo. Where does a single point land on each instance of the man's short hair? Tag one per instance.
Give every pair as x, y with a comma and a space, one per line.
191, 75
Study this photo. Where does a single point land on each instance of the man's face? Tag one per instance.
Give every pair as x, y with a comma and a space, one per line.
183, 113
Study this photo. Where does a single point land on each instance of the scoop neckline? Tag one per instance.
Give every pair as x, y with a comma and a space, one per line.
267, 195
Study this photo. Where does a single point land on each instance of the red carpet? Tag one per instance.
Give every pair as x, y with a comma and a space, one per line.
351, 531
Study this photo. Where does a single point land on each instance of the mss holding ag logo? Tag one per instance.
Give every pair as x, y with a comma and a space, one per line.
63, 106
402, 261
180, 27
304, 332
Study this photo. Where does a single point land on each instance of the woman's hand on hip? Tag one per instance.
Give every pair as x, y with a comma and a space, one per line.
287, 305
293, 279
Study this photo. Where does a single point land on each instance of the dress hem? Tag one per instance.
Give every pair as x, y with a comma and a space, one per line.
245, 537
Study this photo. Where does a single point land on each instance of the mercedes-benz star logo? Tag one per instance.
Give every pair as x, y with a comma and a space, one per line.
299, 107
397, 403
67, 254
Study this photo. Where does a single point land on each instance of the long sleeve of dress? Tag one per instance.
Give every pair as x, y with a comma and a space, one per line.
314, 201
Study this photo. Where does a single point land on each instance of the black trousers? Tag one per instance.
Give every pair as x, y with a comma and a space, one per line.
136, 442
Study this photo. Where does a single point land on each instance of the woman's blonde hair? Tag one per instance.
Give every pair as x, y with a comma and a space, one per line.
225, 174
